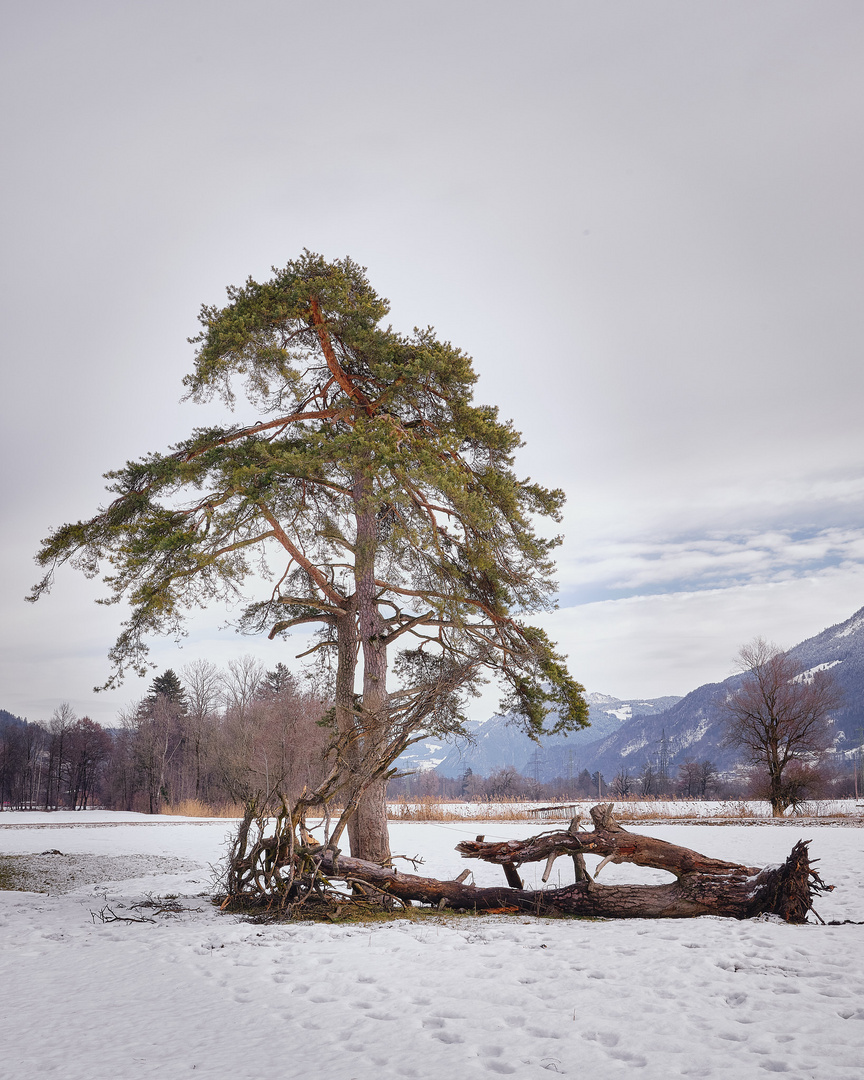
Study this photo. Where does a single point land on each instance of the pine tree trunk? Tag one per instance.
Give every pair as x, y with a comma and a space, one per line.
367, 829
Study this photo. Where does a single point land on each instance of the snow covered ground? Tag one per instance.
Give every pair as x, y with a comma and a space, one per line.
458, 997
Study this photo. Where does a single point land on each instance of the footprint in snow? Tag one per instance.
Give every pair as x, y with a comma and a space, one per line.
605, 1038
448, 1037
636, 1061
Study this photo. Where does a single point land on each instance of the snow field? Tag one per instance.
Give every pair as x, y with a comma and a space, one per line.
459, 997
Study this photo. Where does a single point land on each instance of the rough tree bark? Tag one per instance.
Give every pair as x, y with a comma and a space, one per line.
703, 886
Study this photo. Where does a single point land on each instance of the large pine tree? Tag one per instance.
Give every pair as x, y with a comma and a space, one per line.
383, 502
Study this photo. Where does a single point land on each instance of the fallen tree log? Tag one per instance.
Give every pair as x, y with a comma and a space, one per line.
702, 886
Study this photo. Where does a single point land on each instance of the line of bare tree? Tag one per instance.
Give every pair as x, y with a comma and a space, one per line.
691, 779
214, 736
59, 763
220, 737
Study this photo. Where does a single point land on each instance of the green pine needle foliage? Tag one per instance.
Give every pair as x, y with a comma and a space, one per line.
380, 499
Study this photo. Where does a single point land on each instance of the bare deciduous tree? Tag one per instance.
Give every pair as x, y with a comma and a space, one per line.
648, 779
203, 682
272, 742
87, 747
241, 683
623, 784
779, 716
61, 721
696, 779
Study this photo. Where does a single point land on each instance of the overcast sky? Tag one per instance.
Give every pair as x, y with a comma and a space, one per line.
643, 219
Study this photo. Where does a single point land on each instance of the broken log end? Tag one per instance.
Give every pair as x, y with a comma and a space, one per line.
512, 875
602, 816
788, 890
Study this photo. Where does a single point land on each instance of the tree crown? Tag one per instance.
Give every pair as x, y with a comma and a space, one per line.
779, 711
371, 478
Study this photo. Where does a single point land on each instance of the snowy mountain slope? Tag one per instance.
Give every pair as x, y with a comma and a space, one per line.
609, 716
692, 729
496, 743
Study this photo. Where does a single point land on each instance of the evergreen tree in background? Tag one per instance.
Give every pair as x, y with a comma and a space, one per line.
278, 680
168, 685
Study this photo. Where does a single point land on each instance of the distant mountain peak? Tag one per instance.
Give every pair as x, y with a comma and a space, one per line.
853, 625
601, 699
692, 728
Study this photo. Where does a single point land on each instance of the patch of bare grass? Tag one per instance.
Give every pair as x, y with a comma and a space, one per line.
429, 809
53, 872
197, 808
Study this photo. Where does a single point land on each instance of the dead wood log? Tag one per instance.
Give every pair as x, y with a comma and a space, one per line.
703, 886
608, 840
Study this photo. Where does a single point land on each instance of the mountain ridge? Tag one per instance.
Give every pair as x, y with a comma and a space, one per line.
692, 727
625, 734
496, 742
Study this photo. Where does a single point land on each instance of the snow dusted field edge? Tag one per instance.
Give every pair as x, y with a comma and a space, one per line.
436, 809
626, 810
465, 997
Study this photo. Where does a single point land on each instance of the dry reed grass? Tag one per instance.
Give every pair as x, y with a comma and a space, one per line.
429, 809
197, 808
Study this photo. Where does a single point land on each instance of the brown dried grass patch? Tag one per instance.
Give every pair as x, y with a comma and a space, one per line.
198, 808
